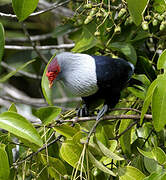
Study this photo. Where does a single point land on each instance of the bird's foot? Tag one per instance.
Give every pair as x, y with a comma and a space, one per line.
102, 111
83, 111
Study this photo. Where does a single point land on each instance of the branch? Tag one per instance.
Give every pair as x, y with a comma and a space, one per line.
33, 44
21, 48
20, 97
39, 150
109, 117
33, 38
30, 75
53, 6
60, 11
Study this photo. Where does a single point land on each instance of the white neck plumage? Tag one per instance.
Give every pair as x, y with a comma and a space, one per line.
78, 73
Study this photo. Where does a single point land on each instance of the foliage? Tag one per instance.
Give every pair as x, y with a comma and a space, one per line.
131, 146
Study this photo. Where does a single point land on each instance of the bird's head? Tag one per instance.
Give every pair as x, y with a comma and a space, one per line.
52, 71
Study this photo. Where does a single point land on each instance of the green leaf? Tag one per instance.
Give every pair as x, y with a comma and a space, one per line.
108, 153
159, 104
147, 154
66, 130
137, 9
130, 173
47, 92
145, 67
156, 176
101, 135
125, 139
48, 114
159, 6
86, 40
140, 90
112, 145
2, 41
6, 77
71, 153
21, 127
24, 8
62, 30
151, 165
159, 155
99, 165
56, 167
127, 49
12, 108
161, 63
148, 99
4, 165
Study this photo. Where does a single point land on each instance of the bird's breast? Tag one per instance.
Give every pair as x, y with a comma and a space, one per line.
81, 86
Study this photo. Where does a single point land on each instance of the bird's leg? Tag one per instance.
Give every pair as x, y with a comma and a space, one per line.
102, 111
83, 111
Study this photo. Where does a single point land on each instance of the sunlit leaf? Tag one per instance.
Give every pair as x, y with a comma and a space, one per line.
21, 127
12, 108
108, 153
130, 173
157, 154
71, 153
99, 165
159, 104
137, 9
161, 63
101, 135
125, 139
24, 8
6, 77
147, 154
4, 163
48, 114
148, 99
66, 130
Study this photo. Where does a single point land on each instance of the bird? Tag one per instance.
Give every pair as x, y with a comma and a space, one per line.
96, 79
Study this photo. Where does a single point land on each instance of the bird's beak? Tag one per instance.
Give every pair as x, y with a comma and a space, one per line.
50, 84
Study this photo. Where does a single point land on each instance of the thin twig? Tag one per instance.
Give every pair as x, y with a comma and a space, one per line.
39, 150
22, 48
33, 44
123, 132
53, 6
30, 75
33, 38
109, 117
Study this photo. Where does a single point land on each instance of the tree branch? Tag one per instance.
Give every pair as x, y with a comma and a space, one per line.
33, 38
109, 117
18, 96
21, 48
33, 44
39, 150
30, 75
53, 6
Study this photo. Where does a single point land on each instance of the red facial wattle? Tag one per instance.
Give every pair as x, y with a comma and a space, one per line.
51, 76
52, 71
